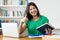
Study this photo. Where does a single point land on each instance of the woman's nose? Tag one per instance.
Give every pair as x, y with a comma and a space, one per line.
32, 10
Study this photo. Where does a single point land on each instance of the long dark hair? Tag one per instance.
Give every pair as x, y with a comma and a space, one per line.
27, 10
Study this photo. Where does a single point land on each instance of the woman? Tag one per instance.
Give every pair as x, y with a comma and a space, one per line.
32, 20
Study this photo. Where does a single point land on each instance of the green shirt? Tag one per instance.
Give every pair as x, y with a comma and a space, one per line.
32, 25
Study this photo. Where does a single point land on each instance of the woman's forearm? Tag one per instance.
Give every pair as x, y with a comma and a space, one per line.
20, 27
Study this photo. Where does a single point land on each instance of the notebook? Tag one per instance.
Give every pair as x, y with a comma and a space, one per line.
35, 35
10, 29
44, 26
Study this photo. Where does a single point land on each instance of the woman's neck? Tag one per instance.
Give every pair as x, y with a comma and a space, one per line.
35, 18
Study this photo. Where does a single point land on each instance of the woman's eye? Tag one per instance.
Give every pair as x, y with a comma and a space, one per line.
30, 9
33, 8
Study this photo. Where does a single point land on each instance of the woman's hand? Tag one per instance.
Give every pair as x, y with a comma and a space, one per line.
48, 31
24, 19
22, 25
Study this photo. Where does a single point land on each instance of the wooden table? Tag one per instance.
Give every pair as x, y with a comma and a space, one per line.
26, 38
23, 38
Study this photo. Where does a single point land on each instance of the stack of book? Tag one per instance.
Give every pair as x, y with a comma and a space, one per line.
15, 2
10, 13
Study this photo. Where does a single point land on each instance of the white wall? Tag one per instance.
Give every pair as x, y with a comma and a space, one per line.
51, 9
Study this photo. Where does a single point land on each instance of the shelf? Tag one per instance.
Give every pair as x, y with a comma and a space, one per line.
11, 17
12, 5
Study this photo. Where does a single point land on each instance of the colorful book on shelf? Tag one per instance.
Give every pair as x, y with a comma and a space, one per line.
0, 23
22, 12
5, 2
9, 2
26, 2
6, 13
3, 21
20, 2
23, 2
10, 13
18, 13
12, 21
1, 12
15, 2
13, 13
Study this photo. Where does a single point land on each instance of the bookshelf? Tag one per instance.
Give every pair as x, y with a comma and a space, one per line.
12, 10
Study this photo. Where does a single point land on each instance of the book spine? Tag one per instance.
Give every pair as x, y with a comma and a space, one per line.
22, 12
10, 13
13, 13
0, 23
12, 21
23, 2
3, 12
20, 2
3, 21
9, 2
18, 13
15, 2
26, 2
6, 13
5, 2
0, 12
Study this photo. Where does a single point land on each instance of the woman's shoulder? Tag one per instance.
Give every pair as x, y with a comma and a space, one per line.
42, 16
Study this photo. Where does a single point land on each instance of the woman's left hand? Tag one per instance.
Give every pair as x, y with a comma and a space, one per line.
48, 31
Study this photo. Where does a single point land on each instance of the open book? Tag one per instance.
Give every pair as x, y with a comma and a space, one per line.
43, 27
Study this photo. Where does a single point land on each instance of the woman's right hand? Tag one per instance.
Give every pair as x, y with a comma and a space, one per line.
22, 25
24, 19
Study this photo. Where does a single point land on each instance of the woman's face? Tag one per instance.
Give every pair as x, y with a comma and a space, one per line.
32, 10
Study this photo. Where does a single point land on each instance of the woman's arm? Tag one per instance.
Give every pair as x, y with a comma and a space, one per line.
22, 25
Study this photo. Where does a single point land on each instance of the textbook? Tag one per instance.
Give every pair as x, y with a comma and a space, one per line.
44, 26
51, 36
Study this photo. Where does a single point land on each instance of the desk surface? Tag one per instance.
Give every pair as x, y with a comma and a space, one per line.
26, 38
